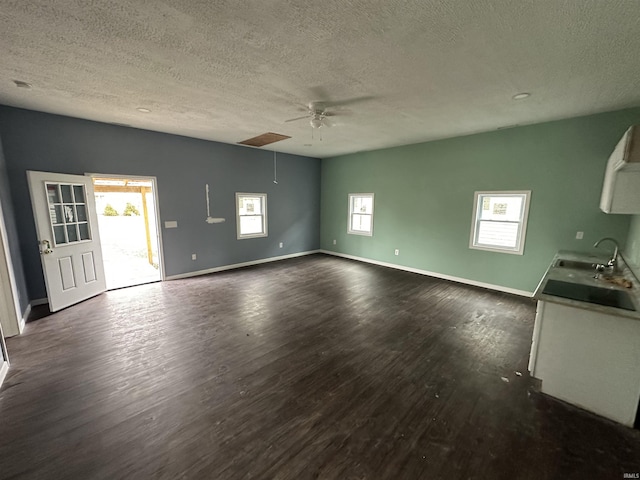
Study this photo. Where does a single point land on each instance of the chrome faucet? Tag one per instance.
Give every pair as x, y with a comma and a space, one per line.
613, 262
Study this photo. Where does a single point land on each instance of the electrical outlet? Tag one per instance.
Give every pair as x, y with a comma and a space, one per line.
397, 252
334, 241
193, 256
579, 235
281, 245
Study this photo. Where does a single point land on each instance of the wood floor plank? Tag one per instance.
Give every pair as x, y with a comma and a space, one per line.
309, 368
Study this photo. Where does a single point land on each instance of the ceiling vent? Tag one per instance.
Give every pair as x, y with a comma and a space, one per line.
264, 139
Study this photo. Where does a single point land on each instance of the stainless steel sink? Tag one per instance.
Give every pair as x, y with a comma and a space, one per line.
590, 294
575, 264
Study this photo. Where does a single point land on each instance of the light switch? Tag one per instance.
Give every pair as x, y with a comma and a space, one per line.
579, 235
171, 224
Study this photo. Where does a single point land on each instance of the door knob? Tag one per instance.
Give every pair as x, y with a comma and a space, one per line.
47, 249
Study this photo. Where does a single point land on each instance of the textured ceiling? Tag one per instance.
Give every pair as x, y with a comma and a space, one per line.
416, 70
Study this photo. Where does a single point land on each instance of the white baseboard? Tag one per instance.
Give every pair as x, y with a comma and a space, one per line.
239, 265
466, 281
39, 301
4, 368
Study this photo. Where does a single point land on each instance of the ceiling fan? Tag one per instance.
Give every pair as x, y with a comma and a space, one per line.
317, 114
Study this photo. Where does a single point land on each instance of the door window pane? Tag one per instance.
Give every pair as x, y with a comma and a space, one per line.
52, 193
55, 211
78, 193
67, 197
84, 231
58, 235
69, 214
81, 211
72, 233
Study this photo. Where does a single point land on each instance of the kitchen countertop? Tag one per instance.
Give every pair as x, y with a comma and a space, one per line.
586, 277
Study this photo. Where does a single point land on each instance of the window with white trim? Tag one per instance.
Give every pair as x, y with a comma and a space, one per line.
361, 214
500, 221
251, 213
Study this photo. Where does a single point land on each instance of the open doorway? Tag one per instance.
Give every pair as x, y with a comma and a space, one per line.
129, 235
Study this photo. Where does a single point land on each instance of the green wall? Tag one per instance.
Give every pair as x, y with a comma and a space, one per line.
632, 250
424, 197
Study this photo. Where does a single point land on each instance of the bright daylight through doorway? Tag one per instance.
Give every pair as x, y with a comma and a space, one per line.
128, 230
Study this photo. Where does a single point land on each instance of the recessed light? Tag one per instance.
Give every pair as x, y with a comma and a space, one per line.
143, 110
21, 84
521, 96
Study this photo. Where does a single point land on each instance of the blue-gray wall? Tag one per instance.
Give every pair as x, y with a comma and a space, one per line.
12, 233
39, 141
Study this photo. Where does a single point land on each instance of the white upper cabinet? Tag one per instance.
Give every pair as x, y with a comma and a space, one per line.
621, 189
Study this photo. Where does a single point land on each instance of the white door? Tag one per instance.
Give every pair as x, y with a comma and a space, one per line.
67, 227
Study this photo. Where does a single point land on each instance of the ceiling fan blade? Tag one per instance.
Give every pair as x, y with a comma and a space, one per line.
340, 111
348, 101
296, 119
320, 94
323, 99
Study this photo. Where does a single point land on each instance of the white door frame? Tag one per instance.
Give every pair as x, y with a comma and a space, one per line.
11, 318
9, 305
154, 188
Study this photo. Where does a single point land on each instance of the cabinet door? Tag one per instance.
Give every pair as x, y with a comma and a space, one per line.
535, 339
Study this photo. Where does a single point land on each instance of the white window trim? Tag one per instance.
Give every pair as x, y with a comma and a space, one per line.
373, 203
522, 231
264, 232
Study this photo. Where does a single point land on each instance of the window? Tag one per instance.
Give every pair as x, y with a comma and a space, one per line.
361, 213
500, 221
251, 211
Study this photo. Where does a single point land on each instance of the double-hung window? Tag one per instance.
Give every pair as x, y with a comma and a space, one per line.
251, 212
361, 213
500, 221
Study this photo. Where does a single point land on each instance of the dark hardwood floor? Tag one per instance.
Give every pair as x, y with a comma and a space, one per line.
316, 367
